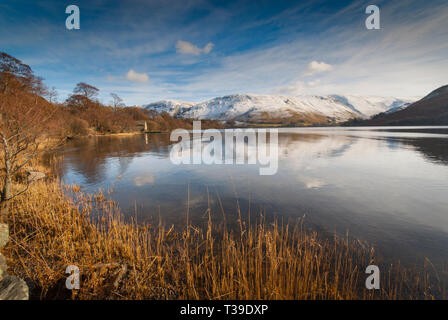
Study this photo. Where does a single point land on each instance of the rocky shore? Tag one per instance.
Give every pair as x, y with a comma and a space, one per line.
11, 287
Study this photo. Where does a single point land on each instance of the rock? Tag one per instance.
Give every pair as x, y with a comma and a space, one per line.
3, 267
35, 175
13, 288
4, 234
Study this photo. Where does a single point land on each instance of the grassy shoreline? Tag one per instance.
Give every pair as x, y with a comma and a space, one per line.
124, 260
133, 133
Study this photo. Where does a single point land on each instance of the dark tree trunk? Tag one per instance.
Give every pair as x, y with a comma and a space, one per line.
4, 200
5, 195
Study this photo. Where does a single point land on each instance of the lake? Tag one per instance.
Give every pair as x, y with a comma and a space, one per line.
384, 185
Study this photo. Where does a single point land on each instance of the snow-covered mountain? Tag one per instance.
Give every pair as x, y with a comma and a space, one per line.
173, 107
368, 106
250, 107
432, 110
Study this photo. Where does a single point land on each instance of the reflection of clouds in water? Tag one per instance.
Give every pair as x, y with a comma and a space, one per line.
302, 152
218, 151
313, 152
144, 180
298, 151
312, 182
200, 199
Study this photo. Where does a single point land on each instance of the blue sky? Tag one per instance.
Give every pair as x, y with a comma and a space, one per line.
194, 50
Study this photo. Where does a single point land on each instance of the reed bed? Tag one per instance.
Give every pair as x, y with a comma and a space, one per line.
121, 259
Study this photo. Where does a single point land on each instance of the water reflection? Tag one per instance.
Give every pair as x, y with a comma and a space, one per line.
386, 186
93, 157
435, 150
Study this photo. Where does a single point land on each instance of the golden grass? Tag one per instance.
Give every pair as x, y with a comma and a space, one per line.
125, 260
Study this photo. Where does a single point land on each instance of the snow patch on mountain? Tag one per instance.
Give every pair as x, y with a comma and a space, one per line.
173, 107
368, 106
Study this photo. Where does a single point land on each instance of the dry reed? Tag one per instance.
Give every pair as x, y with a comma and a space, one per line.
124, 260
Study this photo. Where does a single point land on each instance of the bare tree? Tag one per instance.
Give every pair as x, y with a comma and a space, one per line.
88, 91
13, 70
83, 96
19, 143
24, 119
78, 101
52, 95
13, 73
116, 101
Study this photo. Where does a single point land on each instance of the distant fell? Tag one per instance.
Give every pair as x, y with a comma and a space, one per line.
430, 110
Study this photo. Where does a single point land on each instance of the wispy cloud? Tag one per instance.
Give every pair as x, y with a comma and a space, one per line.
262, 49
208, 48
406, 58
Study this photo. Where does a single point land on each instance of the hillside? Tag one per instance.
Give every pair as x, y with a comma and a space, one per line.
431, 110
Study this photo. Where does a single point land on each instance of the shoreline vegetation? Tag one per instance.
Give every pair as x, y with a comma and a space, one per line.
53, 226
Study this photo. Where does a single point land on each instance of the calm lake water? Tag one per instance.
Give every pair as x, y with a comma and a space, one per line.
388, 186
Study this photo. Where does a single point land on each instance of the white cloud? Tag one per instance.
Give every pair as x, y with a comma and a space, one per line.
208, 48
185, 47
317, 67
138, 77
313, 83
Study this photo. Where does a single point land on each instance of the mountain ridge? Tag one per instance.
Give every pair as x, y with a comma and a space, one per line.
277, 108
430, 110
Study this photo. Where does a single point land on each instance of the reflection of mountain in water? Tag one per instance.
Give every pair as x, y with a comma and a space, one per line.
435, 150
89, 156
